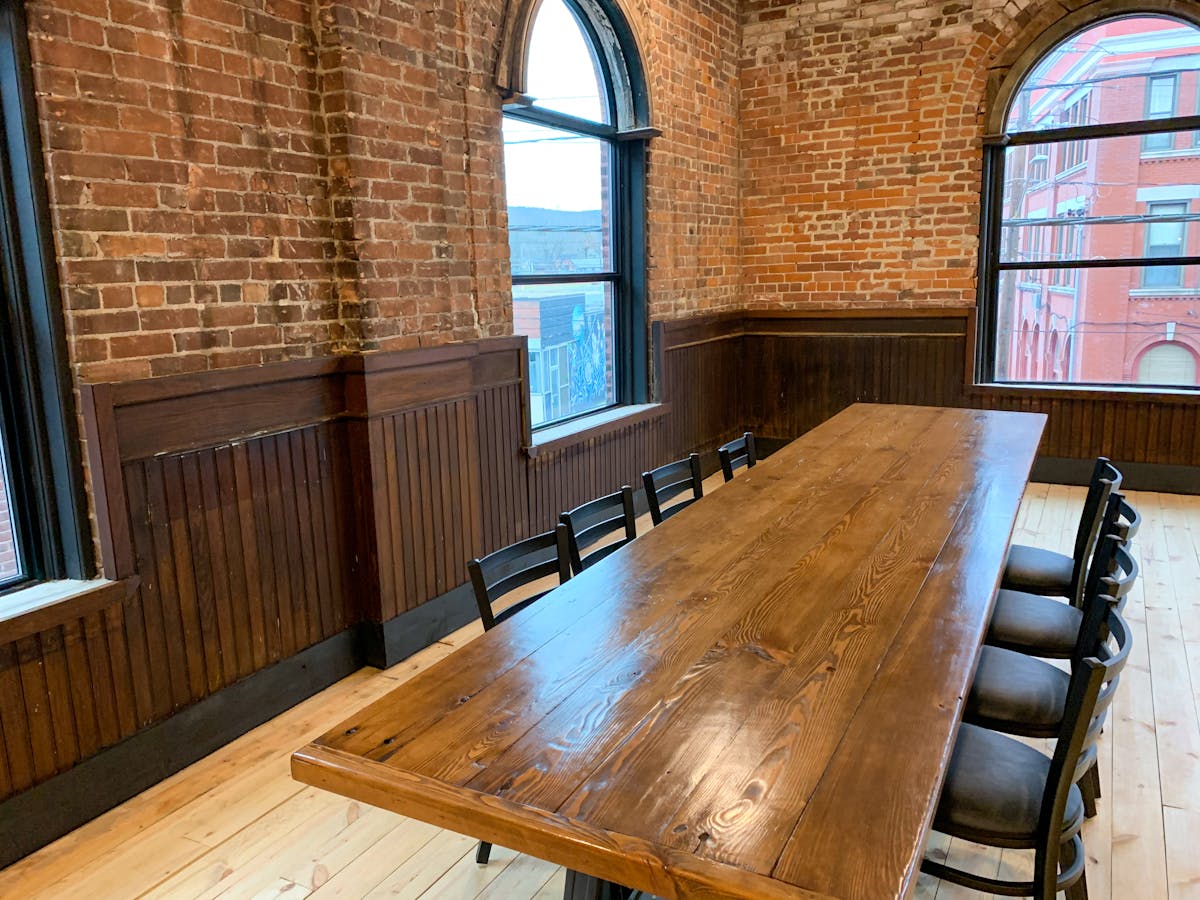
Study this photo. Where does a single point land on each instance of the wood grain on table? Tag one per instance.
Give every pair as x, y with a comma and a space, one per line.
756, 699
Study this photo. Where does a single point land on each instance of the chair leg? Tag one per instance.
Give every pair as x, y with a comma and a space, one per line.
1089, 786
1078, 890
482, 854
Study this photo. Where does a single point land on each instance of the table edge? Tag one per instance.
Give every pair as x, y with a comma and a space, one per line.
631, 861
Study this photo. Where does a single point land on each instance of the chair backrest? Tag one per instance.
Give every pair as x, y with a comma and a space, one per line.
1090, 694
1120, 522
594, 521
737, 453
512, 567
669, 481
1106, 478
1114, 572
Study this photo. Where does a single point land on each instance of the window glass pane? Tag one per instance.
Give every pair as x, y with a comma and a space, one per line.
1121, 70
571, 329
10, 567
564, 73
1111, 209
1095, 326
559, 211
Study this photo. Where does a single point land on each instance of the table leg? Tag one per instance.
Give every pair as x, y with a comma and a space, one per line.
588, 887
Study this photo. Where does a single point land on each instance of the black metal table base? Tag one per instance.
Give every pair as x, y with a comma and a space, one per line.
588, 887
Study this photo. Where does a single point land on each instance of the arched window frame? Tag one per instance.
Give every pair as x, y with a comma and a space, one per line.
1004, 91
623, 80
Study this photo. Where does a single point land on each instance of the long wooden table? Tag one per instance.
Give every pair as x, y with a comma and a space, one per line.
756, 699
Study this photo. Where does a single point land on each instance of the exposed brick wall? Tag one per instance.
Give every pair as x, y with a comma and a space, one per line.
240, 181
861, 126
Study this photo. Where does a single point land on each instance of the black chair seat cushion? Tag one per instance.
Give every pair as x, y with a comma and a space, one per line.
1039, 626
1017, 694
1037, 571
993, 791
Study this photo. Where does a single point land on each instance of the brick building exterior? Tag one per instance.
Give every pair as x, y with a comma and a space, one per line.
1107, 325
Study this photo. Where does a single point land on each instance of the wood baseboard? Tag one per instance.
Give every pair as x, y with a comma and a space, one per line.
1137, 476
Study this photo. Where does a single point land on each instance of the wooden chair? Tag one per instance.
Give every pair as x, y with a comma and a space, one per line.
737, 453
1003, 793
498, 574
669, 481
1050, 574
1043, 626
1022, 695
597, 520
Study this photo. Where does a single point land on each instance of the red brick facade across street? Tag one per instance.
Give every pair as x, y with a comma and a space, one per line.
1124, 325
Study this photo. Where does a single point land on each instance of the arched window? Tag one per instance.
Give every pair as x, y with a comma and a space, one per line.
574, 156
1093, 142
1168, 363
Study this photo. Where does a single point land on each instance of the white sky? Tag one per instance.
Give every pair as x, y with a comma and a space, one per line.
544, 167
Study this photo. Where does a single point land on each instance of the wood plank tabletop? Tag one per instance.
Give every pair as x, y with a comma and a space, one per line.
757, 699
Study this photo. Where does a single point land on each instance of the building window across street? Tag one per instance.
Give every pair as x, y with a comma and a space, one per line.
1101, 256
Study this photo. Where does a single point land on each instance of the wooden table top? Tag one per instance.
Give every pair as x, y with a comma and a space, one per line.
757, 699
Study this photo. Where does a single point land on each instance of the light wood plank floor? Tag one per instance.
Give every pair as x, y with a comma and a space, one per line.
235, 824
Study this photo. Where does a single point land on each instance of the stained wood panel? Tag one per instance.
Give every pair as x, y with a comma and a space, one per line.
265, 509
65, 692
564, 478
430, 519
812, 366
242, 562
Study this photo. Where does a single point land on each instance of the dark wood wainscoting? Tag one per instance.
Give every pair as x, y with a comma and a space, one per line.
256, 514
305, 516
813, 365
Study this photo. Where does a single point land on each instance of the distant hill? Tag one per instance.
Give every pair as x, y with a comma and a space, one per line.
524, 217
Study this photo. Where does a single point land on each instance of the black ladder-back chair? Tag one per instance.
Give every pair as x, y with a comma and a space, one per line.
512, 567
594, 521
1039, 571
1019, 694
499, 574
1043, 626
669, 481
1002, 793
737, 453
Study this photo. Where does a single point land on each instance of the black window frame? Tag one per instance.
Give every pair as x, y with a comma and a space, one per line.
628, 144
37, 402
991, 267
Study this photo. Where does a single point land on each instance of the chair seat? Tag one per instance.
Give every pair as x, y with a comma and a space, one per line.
1039, 626
1017, 694
1038, 571
993, 791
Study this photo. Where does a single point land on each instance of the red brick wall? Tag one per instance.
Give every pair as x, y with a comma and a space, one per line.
8, 547
861, 126
241, 181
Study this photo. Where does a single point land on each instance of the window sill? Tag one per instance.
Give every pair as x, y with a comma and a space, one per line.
1163, 292
1170, 154
1088, 392
46, 605
556, 437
